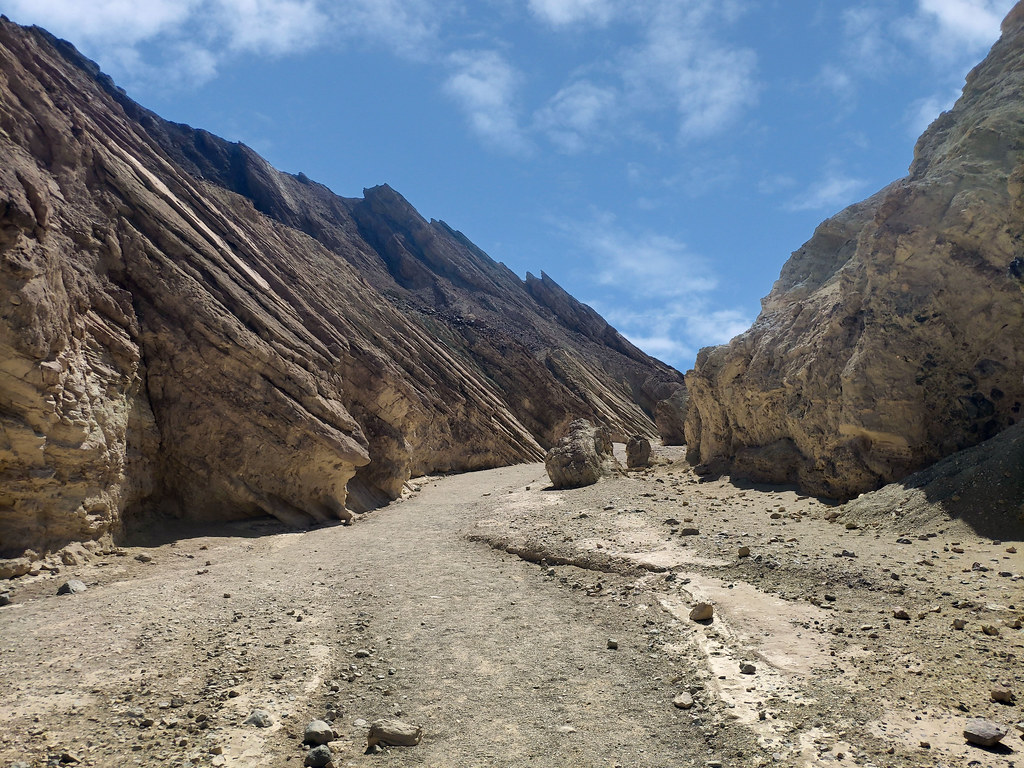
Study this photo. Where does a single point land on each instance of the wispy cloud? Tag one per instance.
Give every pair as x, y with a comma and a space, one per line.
947, 28
631, 269
836, 190
170, 41
484, 84
576, 118
561, 12
684, 63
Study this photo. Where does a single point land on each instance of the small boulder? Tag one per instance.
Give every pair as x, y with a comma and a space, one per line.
702, 612
983, 732
393, 733
5, 598
1002, 695
638, 452
683, 701
72, 587
317, 732
318, 757
579, 458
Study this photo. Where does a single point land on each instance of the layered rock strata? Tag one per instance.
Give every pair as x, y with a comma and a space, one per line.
892, 337
185, 329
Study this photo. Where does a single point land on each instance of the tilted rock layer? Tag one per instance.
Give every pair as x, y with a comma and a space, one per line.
893, 336
185, 329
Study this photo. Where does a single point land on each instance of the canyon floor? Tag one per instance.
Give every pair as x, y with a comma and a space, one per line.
483, 607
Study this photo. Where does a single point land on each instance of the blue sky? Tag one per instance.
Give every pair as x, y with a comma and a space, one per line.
659, 159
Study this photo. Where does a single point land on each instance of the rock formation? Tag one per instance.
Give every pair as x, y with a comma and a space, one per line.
581, 457
892, 337
638, 452
185, 329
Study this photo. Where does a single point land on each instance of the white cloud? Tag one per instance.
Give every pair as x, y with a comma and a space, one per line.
835, 191
709, 82
652, 288
963, 25
575, 118
562, 12
484, 84
184, 41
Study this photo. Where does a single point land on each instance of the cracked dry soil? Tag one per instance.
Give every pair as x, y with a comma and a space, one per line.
419, 611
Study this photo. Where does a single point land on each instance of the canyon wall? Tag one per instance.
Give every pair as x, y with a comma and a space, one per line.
185, 330
893, 337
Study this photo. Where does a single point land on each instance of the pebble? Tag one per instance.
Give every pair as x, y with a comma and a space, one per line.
702, 612
901, 613
959, 623
990, 630
683, 701
613, 645
744, 552
260, 718
72, 587
983, 732
689, 532
5, 598
746, 668
362, 653
318, 757
317, 732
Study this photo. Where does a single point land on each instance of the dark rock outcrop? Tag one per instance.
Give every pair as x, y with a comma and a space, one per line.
892, 337
186, 330
581, 457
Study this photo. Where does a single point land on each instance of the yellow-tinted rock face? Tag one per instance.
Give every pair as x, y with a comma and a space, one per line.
185, 330
892, 337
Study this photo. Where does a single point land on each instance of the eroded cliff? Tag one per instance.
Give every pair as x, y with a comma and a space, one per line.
892, 337
185, 329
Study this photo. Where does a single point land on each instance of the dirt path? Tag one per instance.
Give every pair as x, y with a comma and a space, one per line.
500, 664
506, 662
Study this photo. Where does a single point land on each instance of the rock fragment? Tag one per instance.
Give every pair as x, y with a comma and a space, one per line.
318, 757
702, 612
317, 732
744, 552
1002, 695
683, 701
901, 614
260, 718
393, 733
72, 587
984, 733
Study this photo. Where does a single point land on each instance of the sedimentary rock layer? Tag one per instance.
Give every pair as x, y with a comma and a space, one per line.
184, 328
892, 337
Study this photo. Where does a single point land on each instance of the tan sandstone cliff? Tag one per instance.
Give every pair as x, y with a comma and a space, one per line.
893, 337
185, 329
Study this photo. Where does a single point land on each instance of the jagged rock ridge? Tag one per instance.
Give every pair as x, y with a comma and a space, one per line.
184, 328
892, 337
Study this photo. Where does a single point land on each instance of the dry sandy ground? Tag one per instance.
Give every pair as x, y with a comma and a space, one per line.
419, 611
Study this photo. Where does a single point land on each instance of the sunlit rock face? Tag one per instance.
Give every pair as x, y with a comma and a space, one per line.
893, 336
185, 330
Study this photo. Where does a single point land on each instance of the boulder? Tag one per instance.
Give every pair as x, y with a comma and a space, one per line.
580, 457
638, 452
